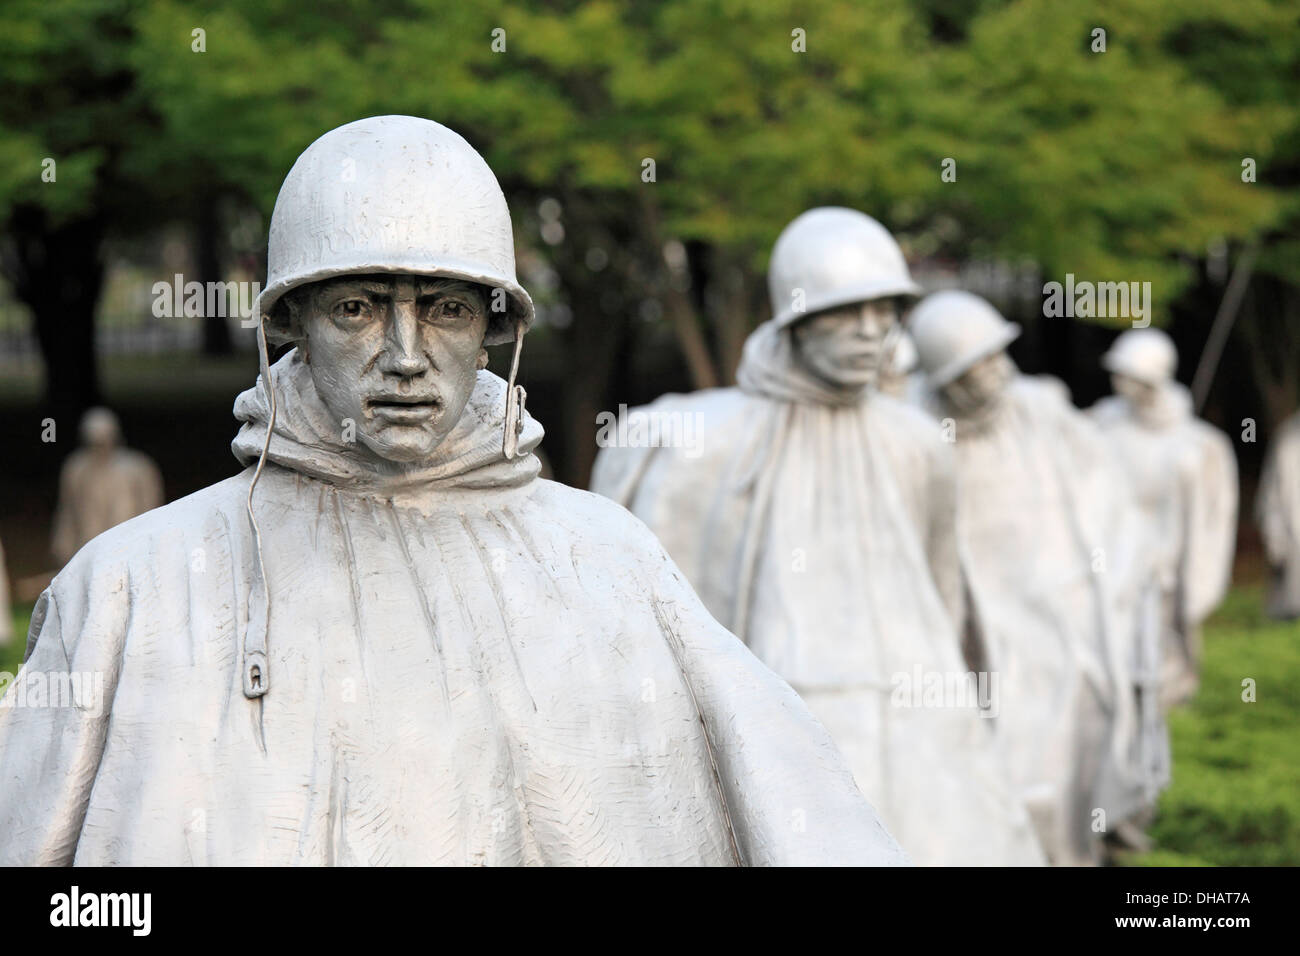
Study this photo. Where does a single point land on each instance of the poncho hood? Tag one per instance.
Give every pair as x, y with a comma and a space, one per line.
307, 439
769, 367
1172, 406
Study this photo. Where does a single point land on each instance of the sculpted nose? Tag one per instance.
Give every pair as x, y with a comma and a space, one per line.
403, 354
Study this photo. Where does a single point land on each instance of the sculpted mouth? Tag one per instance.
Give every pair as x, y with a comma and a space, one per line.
403, 408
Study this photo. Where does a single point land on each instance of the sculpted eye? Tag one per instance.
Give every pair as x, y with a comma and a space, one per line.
451, 310
352, 310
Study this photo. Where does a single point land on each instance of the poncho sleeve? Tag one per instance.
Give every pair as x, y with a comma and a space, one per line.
1211, 523
54, 718
789, 793
941, 544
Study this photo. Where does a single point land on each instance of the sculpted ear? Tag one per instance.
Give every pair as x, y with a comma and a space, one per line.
284, 325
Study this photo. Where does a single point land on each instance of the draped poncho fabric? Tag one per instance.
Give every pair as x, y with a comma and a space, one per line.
1184, 474
468, 665
1055, 575
817, 525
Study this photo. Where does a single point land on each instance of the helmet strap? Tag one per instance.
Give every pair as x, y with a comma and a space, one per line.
515, 398
257, 676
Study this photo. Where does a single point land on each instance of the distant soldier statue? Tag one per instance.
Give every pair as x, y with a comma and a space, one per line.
815, 517
102, 484
1042, 514
387, 641
1277, 511
1185, 476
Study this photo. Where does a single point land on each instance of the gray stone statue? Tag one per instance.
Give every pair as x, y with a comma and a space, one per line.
899, 376
102, 484
387, 641
1277, 511
1184, 473
1042, 516
814, 515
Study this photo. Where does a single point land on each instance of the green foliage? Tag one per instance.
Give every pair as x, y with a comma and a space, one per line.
11, 655
1104, 164
1235, 798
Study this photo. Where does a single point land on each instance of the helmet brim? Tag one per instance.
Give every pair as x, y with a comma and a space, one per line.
863, 292
959, 366
501, 325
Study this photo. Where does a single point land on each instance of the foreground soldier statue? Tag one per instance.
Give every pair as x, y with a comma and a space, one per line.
1185, 476
1041, 512
387, 641
1277, 511
101, 485
815, 517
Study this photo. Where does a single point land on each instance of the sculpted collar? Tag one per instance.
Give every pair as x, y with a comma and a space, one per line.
307, 439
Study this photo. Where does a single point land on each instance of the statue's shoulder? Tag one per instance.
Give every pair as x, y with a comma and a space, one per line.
902, 413
714, 407
152, 536
153, 551
906, 424
591, 521
1108, 411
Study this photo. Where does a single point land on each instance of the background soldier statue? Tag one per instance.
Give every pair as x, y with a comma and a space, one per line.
387, 641
815, 517
102, 485
1184, 474
1037, 480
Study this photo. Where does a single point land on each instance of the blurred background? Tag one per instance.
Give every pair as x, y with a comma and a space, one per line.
651, 152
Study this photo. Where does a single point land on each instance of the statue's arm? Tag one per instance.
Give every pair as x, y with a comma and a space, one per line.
1212, 532
52, 726
942, 550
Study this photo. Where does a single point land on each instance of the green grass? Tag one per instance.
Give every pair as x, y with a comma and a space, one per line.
1235, 798
11, 657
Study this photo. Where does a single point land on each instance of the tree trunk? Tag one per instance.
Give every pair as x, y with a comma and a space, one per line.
58, 273
678, 308
207, 252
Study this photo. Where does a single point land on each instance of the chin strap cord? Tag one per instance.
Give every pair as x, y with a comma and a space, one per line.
257, 675
515, 398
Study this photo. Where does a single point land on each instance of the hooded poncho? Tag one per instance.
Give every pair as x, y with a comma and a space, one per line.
468, 665
1184, 475
1043, 517
817, 525
1277, 510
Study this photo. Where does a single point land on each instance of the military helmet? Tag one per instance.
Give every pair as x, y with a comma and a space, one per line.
394, 194
1147, 355
953, 330
830, 257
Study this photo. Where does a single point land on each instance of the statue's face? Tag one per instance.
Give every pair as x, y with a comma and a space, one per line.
1140, 394
845, 347
980, 384
396, 354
